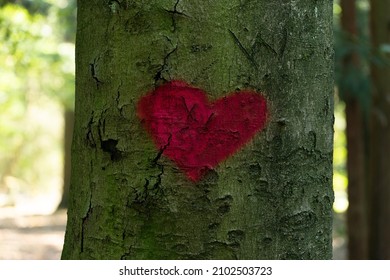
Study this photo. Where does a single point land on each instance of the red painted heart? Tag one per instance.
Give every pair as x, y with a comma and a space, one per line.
195, 133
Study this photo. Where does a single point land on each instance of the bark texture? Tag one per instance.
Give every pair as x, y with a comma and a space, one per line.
380, 135
271, 200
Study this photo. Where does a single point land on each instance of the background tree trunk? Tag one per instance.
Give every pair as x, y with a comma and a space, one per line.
68, 136
357, 217
380, 135
271, 200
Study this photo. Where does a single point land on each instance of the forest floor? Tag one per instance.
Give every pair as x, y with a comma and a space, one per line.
31, 237
41, 237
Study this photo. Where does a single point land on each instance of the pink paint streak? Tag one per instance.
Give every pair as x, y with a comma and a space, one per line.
195, 133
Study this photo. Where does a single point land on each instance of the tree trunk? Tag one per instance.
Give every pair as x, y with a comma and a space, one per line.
380, 135
272, 199
356, 159
68, 136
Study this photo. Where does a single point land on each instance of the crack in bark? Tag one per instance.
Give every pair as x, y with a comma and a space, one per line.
174, 13
120, 106
127, 253
118, 95
158, 77
145, 197
83, 224
93, 68
86, 216
161, 151
100, 130
89, 135
157, 185
145, 193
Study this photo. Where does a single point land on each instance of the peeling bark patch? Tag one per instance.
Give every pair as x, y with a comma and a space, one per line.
200, 133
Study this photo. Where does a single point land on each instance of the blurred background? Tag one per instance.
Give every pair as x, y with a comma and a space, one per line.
36, 117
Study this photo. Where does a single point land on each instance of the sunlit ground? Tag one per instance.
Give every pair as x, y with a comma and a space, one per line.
31, 190
31, 237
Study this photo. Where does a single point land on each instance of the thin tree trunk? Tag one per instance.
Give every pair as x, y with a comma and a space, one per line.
380, 135
356, 159
272, 199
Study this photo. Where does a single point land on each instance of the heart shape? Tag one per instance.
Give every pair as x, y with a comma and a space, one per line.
195, 133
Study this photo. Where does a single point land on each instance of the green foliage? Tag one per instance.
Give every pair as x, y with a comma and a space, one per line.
34, 48
36, 70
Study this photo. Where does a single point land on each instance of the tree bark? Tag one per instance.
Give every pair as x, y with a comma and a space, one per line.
357, 217
270, 200
380, 135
